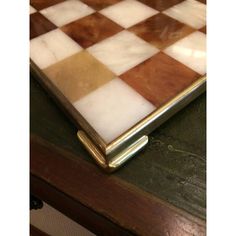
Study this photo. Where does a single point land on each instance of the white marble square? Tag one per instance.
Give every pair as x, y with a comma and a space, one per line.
191, 51
113, 108
32, 10
128, 12
66, 12
52, 47
190, 12
122, 51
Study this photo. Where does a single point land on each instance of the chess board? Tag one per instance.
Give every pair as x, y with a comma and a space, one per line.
117, 66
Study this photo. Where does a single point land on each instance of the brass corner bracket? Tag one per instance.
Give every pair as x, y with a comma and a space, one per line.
112, 161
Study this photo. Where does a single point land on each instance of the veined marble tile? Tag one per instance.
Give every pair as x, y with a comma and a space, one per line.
113, 108
190, 12
91, 29
66, 12
161, 5
122, 51
41, 4
161, 30
100, 4
52, 47
128, 12
160, 78
32, 10
191, 51
39, 25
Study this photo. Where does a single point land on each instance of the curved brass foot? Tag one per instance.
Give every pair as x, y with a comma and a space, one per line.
111, 163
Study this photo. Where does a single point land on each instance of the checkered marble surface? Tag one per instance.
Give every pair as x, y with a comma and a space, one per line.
117, 61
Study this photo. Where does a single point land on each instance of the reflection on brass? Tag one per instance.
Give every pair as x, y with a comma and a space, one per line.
117, 160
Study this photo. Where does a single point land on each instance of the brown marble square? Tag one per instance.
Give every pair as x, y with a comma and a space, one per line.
203, 29
41, 4
161, 30
99, 4
202, 1
160, 78
78, 75
161, 5
39, 25
91, 29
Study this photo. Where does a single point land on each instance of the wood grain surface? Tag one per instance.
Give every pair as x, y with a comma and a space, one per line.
36, 232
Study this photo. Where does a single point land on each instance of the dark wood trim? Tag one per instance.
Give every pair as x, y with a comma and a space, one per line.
36, 232
109, 198
83, 215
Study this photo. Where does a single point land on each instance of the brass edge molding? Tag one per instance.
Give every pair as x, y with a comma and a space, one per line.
197, 85
116, 161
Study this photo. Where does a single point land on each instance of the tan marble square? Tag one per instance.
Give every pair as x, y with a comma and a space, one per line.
78, 75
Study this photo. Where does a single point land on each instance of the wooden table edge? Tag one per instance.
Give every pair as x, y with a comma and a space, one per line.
116, 215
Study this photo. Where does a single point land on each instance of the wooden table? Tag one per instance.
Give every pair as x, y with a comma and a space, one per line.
162, 191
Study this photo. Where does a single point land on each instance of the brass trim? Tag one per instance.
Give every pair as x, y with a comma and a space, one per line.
198, 87
116, 161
